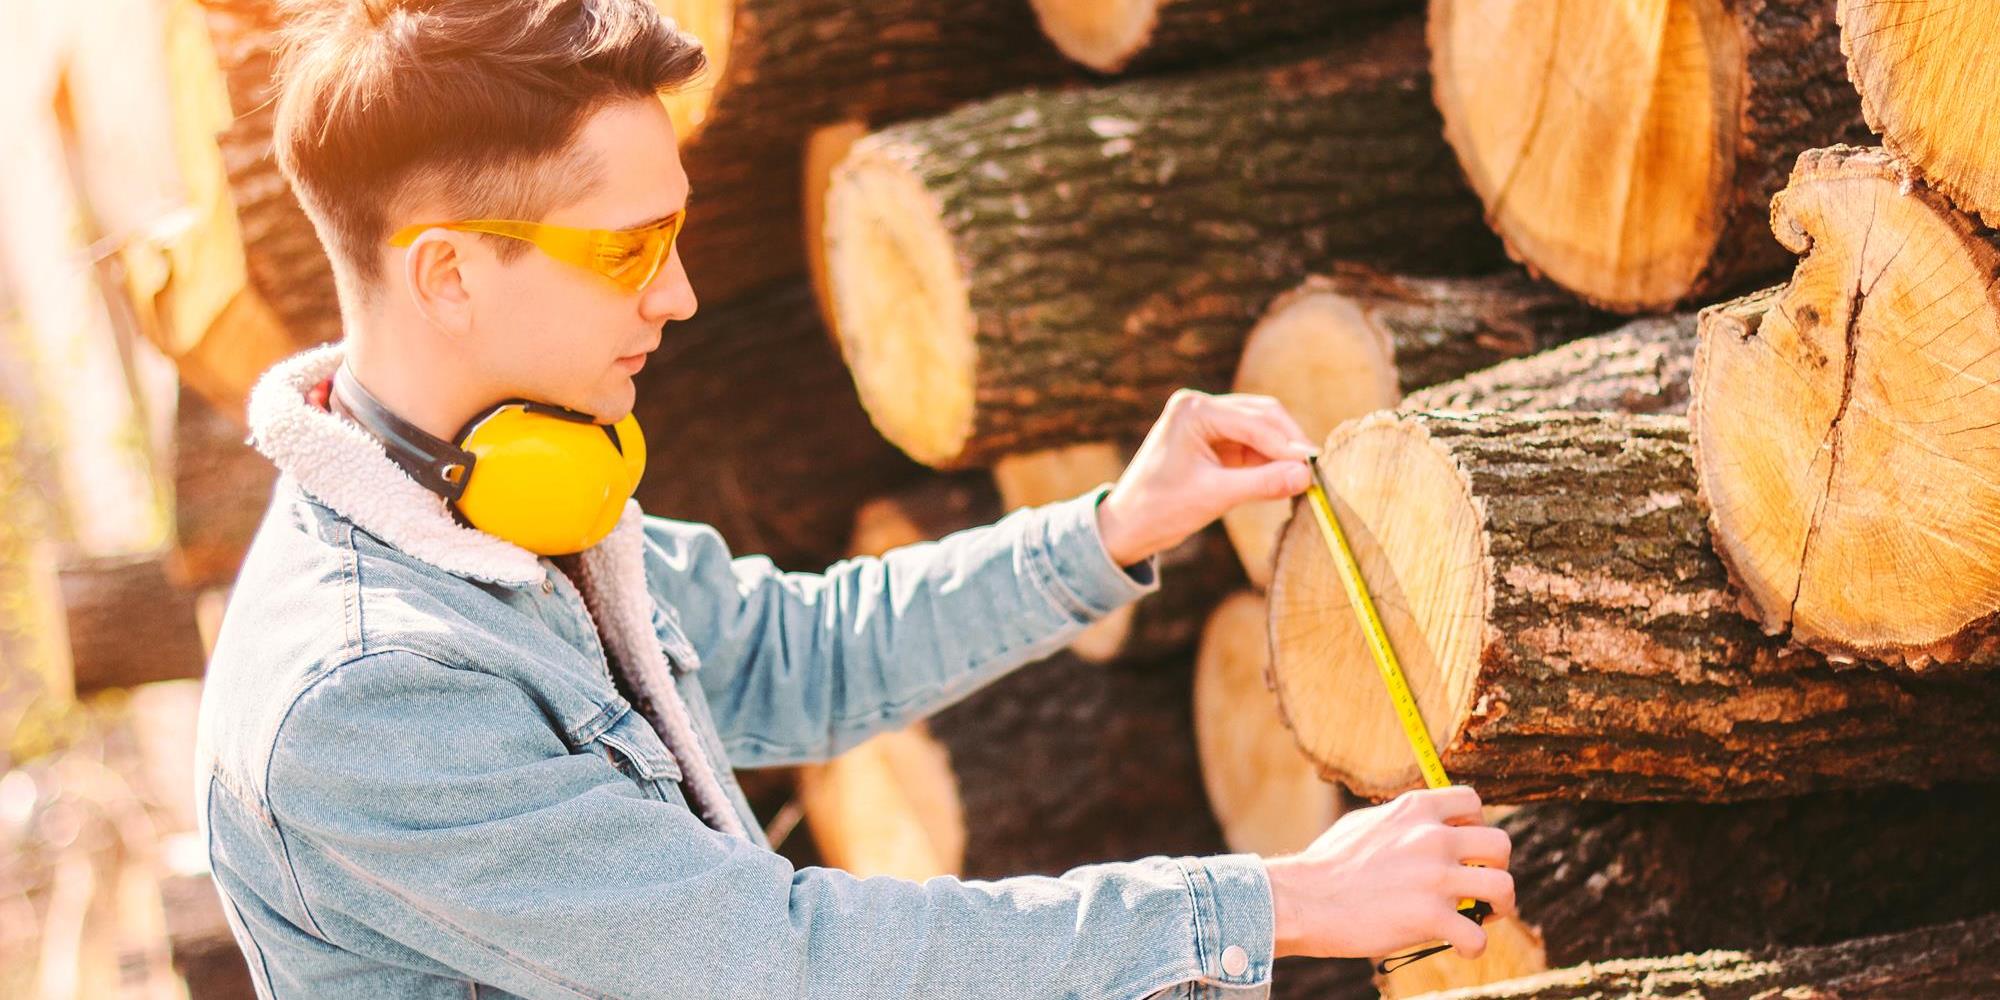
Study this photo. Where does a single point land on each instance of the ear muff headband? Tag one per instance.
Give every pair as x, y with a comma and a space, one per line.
549, 479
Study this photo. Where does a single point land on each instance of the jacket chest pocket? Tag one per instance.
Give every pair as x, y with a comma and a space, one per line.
636, 751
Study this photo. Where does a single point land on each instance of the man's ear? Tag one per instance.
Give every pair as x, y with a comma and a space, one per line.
433, 268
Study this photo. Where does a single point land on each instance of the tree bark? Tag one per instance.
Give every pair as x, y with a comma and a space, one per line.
1647, 187
752, 427
1353, 340
1152, 35
1602, 881
1930, 89
1946, 961
1547, 583
794, 65
128, 623
1641, 367
288, 268
221, 489
1045, 269
1844, 434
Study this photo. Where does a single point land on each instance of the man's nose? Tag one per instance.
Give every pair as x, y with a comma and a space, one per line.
669, 297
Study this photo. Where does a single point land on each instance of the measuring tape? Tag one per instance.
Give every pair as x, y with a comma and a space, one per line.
1475, 910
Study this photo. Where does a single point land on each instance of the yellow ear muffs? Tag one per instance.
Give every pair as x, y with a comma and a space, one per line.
547, 480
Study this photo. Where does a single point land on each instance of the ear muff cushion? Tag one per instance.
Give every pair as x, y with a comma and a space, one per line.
633, 443
549, 485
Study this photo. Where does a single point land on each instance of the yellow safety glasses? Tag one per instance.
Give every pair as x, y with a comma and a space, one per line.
629, 257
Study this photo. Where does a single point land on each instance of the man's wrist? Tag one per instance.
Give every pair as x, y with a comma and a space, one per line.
1114, 530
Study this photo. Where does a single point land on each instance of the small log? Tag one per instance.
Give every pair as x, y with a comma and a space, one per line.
1267, 796
129, 623
1951, 960
1354, 340
752, 426
1601, 881
1548, 585
1641, 367
221, 490
1046, 269
1930, 88
1193, 575
1844, 428
1147, 35
1645, 186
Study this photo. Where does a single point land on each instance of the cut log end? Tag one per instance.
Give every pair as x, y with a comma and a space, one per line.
1930, 87
1268, 798
902, 312
1411, 520
1327, 358
1101, 34
1839, 434
713, 22
1617, 189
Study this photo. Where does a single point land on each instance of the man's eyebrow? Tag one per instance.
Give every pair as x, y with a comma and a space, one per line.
659, 219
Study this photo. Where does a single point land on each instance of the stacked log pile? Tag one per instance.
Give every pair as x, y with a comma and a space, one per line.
1698, 577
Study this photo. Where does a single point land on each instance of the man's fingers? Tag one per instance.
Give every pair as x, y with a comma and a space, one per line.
1490, 884
1482, 845
1256, 427
1275, 410
1465, 937
1452, 802
1270, 481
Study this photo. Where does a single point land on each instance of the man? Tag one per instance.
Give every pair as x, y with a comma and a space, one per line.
446, 754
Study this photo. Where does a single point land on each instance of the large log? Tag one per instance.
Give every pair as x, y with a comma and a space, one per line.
1629, 153
1602, 881
1045, 269
1931, 89
1353, 340
1935, 963
752, 426
1130, 36
1641, 367
782, 68
1547, 582
1845, 436
1193, 575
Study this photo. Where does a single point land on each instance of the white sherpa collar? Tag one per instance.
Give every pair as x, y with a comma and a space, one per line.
345, 468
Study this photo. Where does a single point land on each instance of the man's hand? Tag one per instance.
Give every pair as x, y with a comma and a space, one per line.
1205, 455
1387, 878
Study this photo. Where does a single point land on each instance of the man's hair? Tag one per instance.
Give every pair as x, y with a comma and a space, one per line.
474, 105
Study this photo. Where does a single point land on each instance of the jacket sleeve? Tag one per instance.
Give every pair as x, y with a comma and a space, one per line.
432, 815
798, 667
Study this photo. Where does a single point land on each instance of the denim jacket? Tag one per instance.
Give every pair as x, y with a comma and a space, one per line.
433, 764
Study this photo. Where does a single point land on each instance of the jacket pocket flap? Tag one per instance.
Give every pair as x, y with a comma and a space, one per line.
633, 740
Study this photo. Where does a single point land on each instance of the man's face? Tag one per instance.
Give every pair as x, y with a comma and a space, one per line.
557, 333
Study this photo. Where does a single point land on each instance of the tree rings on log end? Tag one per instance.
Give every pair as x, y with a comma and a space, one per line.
1415, 528
1602, 137
1930, 85
1321, 354
1847, 438
901, 306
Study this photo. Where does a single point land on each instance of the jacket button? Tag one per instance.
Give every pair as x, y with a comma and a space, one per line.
1235, 960
548, 585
